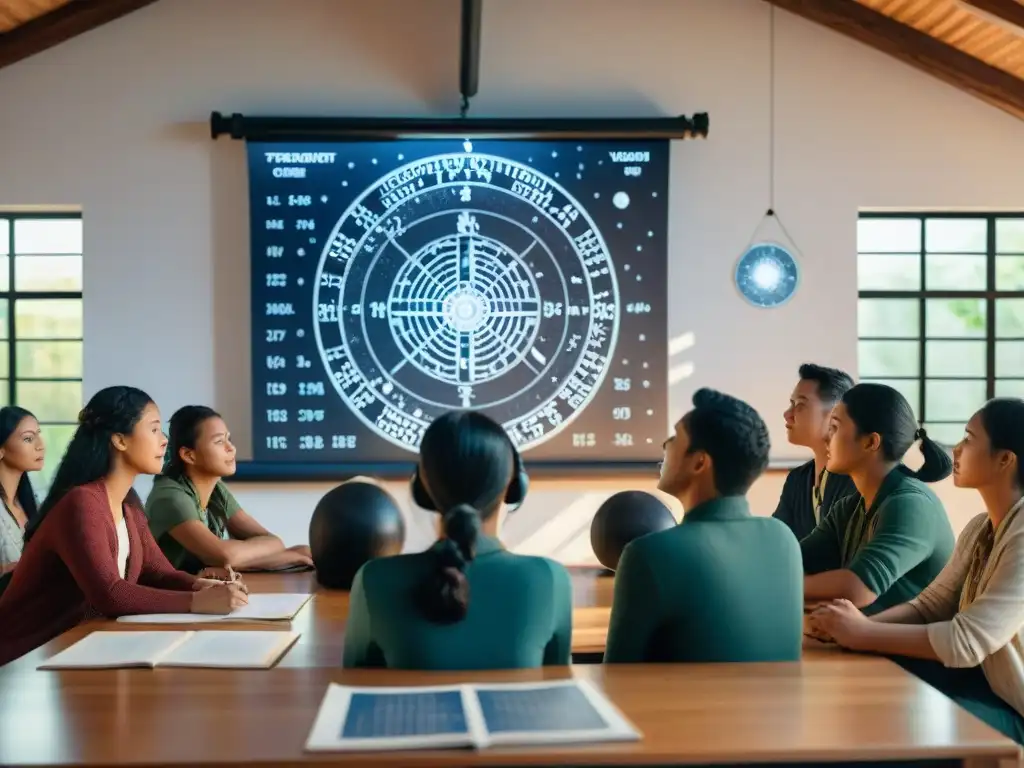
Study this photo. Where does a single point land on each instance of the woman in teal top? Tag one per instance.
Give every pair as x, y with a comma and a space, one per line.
465, 603
887, 542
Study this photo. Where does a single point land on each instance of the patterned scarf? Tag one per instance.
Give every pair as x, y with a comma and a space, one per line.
981, 552
858, 532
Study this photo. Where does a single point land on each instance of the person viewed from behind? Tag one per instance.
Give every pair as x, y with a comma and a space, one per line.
884, 545
465, 603
723, 585
89, 550
194, 517
964, 634
810, 489
21, 451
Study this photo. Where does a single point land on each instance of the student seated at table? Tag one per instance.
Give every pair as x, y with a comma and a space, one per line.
21, 451
964, 634
194, 517
465, 603
884, 545
811, 489
89, 551
723, 585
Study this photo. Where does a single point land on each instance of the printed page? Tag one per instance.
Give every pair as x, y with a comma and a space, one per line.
264, 606
425, 717
549, 713
113, 650
231, 649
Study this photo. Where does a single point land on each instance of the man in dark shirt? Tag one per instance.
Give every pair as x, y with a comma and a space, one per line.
810, 490
724, 585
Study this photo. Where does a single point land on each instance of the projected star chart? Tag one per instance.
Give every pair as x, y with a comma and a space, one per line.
395, 281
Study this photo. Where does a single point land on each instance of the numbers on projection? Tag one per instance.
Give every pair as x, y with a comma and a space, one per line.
466, 280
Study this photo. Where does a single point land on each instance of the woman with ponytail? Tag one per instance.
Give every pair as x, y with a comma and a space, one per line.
465, 603
89, 551
964, 634
883, 545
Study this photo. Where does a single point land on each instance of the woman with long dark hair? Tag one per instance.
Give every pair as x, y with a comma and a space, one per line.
21, 451
89, 549
886, 543
465, 603
964, 634
193, 516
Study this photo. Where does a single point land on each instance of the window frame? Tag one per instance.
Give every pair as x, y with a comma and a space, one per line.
12, 296
989, 294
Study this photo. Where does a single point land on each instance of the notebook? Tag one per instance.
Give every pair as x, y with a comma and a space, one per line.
224, 649
473, 716
265, 606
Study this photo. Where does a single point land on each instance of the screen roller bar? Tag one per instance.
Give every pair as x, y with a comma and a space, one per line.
238, 126
270, 472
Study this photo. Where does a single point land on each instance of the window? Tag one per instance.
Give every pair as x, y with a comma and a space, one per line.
41, 324
941, 311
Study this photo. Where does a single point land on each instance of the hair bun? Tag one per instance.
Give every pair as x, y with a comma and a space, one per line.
88, 418
462, 523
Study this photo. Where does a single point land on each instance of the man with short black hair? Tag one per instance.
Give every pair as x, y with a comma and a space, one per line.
723, 585
809, 490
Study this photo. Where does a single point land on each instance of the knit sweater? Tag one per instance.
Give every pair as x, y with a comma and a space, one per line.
69, 570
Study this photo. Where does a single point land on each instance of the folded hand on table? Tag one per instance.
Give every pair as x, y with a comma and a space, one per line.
839, 621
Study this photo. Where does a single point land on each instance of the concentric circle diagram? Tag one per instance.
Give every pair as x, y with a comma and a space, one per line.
466, 280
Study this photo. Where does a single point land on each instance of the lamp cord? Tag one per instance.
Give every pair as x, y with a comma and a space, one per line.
771, 109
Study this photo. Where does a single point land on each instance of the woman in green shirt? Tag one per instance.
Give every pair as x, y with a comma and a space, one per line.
465, 603
194, 517
887, 542
964, 634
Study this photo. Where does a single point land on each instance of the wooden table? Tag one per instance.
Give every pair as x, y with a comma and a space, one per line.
322, 621
827, 709
831, 707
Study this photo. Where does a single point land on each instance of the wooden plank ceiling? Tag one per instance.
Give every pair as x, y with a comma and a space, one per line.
975, 45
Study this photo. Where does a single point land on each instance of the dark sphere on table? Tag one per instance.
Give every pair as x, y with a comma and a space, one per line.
625, 516
351, 525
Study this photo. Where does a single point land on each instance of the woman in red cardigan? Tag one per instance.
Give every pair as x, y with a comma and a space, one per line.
89, 549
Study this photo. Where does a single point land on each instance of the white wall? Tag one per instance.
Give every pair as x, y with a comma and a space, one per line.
116, 121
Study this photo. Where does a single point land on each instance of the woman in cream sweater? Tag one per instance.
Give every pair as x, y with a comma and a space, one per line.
964, 634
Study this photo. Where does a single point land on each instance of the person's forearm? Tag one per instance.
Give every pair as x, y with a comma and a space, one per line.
895, 640
282, 559
904, 613
242, 554
837, 585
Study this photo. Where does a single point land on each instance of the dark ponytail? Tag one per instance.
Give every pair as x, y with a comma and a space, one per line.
938, 464
880, 409
466, 465
445, 596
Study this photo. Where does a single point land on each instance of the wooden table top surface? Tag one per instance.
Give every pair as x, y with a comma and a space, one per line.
831, 706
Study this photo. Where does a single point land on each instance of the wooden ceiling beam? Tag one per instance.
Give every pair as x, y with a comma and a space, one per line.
1008, 13
919, 50
55, 27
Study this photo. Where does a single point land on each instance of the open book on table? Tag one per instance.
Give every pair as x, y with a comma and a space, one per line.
212, 649
264, 606
480, 715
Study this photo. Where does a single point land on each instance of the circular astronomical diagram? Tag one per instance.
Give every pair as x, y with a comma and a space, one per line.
466, 280
767, 275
